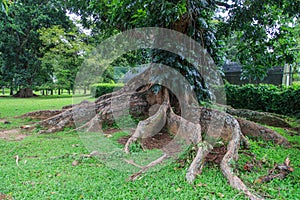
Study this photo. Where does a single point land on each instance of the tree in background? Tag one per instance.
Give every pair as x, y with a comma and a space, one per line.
63, 55
20, 44
262, 35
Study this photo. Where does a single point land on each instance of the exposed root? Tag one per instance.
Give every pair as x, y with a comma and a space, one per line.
192, 133
149, 127
282, 171
260, 117
133, 163
216, 125
58, 127
197, 164
94, 125
254, 130
232, 156
184, 129
144, 169
152, 125
41, 114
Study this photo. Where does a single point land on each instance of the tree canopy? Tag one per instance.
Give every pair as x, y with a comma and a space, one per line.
63, 55
257, 34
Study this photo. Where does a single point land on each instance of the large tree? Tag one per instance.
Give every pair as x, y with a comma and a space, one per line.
166, 93
63, 55
20, 44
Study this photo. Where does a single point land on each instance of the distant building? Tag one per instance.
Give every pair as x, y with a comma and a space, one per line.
233, 72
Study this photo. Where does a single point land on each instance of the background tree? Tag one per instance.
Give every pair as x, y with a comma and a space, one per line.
20, 44
63, 55
263, 33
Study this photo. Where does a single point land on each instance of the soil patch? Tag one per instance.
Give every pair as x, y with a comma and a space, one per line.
216, 155
156, 142
160, 141
12, 135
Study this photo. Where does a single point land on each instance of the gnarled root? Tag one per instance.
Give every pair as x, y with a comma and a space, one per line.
254, 130
149, 127
191, 133
197, 165
232, 155
152, 125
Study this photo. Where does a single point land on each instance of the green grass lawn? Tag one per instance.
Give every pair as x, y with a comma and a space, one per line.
44, 169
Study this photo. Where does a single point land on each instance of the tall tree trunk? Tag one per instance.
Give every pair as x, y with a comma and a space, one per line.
11, 91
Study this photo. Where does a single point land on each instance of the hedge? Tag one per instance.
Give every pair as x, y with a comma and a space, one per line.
264, 97
100, 89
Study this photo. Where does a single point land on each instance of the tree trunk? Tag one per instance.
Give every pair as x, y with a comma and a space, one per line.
24, 93
11, 91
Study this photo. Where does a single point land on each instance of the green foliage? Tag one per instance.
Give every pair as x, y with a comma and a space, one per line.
4, 6
19, 40
258, 34
267, 37
263, 97
100, 89
261, 34
192, 18
63, 55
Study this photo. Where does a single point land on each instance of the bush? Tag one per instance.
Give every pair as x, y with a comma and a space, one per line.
263, 97
100, 89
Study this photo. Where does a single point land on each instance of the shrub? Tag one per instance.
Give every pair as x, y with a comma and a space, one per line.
100, 89
264, 97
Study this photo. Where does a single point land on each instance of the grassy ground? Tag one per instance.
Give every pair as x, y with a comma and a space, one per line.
44, 169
